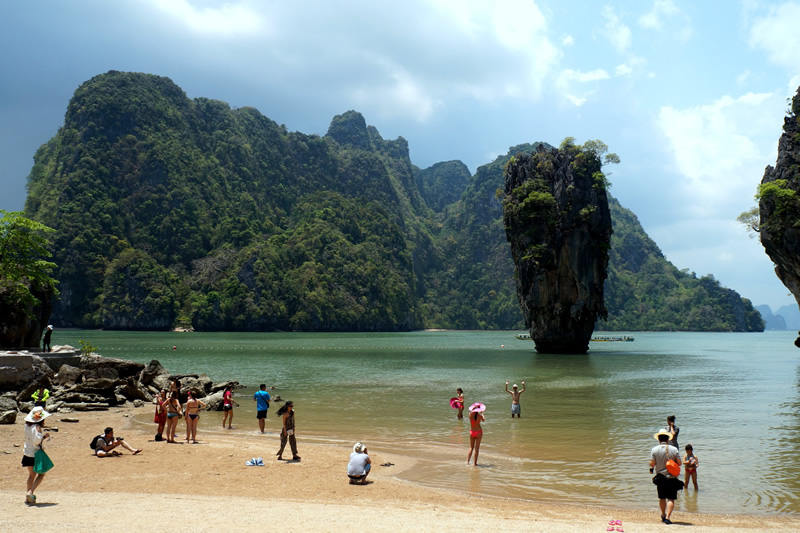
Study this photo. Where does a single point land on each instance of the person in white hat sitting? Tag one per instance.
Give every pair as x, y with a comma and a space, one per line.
360, 464
34, 436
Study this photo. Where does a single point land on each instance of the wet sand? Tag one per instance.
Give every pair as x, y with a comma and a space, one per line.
207, 487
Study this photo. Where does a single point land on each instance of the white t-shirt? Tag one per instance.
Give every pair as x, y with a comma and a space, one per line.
662, 453
33, 439
358, 464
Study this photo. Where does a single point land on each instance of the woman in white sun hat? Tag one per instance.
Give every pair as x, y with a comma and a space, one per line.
34, 436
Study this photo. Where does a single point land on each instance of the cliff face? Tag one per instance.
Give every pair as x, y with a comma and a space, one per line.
779, 205
558, 222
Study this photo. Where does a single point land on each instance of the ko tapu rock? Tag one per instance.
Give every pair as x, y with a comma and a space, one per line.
779, 205
558, 222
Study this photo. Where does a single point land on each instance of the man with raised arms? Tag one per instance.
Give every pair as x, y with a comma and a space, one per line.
515, 407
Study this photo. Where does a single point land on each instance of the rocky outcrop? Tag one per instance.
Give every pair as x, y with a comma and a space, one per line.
779, 205
22, 327
100, 383
558, 222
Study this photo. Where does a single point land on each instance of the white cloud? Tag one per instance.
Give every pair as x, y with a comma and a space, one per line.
777, 34
616, 31
623, 70
667, 18
230, 19
567, 40
661, 9
407, 95
721, 149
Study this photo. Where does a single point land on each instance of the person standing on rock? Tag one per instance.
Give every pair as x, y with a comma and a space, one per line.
262, 399
34, 436
46, 340
516, 409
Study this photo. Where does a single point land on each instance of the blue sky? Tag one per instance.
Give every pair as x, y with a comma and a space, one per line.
690, 95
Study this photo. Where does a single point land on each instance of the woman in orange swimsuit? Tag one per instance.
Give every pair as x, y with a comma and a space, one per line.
475, 431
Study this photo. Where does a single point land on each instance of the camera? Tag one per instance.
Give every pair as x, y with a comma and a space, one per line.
119, 438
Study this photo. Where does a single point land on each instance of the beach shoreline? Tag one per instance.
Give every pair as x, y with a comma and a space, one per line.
207, 487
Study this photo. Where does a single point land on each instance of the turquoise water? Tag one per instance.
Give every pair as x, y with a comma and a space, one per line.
587, 421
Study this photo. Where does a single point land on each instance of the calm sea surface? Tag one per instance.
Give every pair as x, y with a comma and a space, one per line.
587, 421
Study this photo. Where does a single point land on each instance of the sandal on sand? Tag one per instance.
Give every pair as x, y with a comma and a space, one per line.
138, 450
387, 464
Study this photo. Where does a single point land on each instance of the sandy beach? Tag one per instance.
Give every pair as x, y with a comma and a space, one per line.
207, 487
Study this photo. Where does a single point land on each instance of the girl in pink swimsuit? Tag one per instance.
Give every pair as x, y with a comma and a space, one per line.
475, 430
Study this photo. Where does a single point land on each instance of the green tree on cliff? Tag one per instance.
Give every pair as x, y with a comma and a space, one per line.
23, 249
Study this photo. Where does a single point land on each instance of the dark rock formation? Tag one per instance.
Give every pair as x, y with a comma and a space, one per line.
558, 223
779, 205
20, 327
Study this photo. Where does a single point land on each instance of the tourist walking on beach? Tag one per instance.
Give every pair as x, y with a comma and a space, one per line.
359, 466
460, 403
287, 433
475, 431
673, 432
262, 399
48, 333
160, 417
515, 407
173, 413
666, 482
690, 462
227, 406
192, 412
34, 436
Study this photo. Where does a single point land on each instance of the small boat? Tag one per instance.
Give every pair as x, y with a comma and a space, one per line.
612, 339
523, 336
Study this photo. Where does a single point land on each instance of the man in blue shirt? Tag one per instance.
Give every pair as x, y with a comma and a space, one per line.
261, 397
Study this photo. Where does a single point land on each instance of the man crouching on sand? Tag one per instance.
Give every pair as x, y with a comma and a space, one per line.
106, 444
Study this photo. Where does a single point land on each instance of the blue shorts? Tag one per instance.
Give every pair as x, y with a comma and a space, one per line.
515, 409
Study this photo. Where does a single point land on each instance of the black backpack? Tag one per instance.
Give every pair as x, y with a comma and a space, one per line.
93, 444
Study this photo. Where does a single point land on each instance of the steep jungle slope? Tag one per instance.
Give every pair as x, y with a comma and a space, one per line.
176, 211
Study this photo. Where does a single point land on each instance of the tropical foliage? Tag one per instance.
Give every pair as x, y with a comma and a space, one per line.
172, 210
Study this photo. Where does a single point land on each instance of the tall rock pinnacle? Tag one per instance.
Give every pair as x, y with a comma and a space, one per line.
558, 222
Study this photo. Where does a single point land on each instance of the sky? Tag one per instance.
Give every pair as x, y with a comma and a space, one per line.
690, 95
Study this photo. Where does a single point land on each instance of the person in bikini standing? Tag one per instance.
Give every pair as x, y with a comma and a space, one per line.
515, 407
192, 411
475, 430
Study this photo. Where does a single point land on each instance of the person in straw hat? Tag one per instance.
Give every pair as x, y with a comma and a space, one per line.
666, 481
34, 436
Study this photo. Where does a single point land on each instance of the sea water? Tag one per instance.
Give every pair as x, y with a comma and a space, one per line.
587, 420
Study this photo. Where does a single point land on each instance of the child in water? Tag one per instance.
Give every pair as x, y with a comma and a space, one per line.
690, 462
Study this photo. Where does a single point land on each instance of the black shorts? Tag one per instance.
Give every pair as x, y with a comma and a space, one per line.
262, 414
227, 407
27, 461
668, 488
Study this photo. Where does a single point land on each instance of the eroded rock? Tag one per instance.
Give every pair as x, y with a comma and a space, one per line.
558, 223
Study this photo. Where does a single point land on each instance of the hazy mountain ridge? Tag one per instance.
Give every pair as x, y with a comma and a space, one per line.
170, 210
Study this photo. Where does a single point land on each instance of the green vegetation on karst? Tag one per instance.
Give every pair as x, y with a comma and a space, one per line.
176, 211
